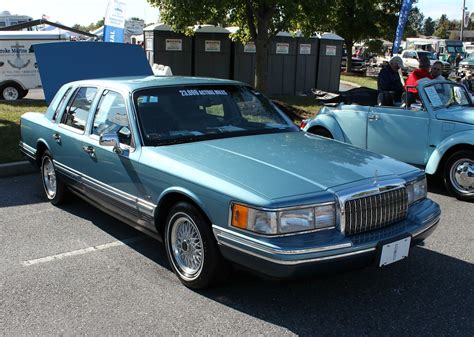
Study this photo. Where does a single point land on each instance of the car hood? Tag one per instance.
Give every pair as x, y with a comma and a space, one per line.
277, 165
457, 114
467, 62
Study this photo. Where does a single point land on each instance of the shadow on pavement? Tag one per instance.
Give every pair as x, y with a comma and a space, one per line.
427, 294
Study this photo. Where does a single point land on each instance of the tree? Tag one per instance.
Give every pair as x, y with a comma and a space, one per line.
258, 20
355, 20
442, 27
428, 26
414, 23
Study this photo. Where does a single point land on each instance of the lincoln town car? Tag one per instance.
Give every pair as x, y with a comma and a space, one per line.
218, 173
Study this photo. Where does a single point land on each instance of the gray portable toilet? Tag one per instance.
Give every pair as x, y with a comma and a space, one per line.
212, 48
306, 64
163, 46
282, 65
244, 60
329, 66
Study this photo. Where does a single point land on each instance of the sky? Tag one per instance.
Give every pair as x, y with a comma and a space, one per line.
70, 12
84, 12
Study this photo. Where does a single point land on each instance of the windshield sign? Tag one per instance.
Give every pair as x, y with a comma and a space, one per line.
173, 115
446, 95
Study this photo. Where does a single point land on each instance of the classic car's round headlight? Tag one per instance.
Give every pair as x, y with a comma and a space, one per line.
284, 221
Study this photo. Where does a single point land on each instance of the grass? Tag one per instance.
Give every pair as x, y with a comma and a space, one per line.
369, 82
10, 114
297, 107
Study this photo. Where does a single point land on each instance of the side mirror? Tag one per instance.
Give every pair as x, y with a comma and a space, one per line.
111, 139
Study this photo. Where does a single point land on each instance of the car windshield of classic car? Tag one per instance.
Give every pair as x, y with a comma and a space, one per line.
445, 95
170, 115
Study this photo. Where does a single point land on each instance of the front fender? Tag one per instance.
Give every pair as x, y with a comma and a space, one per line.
464, 137
328, 122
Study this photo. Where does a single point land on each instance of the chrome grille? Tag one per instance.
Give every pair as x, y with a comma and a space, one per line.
375, 211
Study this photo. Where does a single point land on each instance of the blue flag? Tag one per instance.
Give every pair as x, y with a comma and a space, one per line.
402, 20
114, 22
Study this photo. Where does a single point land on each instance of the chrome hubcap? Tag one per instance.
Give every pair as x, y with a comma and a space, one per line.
186, 247
462, 176
49, 178
11, 93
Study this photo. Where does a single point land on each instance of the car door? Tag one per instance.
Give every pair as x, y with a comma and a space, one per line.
399, 133
110, 177
68, 154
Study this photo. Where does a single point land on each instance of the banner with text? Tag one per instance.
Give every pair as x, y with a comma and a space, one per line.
402, 20
114, 22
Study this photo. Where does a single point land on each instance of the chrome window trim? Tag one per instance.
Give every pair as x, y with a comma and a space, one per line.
70, 128
282, 209
375, 188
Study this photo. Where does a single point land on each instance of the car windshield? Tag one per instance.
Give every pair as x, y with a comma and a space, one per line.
428, 55
446, 95
459, 50
172, 115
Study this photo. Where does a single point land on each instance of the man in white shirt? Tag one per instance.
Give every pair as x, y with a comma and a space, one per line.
436, 70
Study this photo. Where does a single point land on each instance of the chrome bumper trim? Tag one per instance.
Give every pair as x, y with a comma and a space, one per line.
431, 222
223, 233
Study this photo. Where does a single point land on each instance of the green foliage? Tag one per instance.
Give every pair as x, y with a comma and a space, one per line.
442, 27
374, 46
414, 24
428, 27
92, 26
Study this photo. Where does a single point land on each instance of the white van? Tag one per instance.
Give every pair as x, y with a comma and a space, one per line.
18, 68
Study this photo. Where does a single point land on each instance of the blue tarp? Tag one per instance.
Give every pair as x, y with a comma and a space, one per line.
63, 62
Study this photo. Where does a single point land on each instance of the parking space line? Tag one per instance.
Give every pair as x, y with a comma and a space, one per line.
80, 251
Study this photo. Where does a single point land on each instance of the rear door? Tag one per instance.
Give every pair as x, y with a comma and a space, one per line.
399, 133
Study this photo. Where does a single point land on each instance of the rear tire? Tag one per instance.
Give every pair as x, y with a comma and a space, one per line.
54, 188
459, 175
191, 247
11, 92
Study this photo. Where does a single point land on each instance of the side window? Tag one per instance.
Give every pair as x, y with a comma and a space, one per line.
404, 55
61, 104
111, 117
78, 108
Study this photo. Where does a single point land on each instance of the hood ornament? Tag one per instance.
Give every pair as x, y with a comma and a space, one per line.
376, 176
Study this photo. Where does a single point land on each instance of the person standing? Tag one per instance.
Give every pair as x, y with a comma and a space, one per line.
423, 71
389, 78
437, 70
467, 82
457, 60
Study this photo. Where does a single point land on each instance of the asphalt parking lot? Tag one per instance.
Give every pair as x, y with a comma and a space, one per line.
73, 270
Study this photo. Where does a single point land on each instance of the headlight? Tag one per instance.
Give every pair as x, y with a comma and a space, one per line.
283, 221
417, 190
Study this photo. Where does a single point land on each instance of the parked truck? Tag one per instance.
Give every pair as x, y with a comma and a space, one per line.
18, 68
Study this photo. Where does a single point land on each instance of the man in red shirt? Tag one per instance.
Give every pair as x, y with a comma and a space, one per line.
423, 71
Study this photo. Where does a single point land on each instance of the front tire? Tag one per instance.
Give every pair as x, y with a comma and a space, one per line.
191, 248
54, 188
459, 175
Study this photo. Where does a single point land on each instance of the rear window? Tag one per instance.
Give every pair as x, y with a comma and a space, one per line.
191, 113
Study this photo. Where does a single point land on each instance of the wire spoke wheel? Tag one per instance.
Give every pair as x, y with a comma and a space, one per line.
49, 178
186, 246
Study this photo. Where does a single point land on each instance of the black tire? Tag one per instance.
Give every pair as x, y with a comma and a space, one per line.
460, 165
24, 93
54, 188
321, 132
185, 219
11, 91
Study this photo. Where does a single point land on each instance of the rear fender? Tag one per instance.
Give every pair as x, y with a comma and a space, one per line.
328, 122
465, 137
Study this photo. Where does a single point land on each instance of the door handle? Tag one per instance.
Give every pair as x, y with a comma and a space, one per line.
89, 150
374, 117
57, 137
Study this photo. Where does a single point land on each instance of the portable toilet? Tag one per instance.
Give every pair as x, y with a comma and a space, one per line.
212, 51
328, 74
244, 60
306, 64
281, 65
163, 46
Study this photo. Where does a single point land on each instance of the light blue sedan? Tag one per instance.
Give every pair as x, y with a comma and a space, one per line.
436, 133
218, 173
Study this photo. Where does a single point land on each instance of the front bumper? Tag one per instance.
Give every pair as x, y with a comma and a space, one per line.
323, 251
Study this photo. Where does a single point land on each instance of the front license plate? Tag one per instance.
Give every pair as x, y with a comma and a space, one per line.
394, 251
